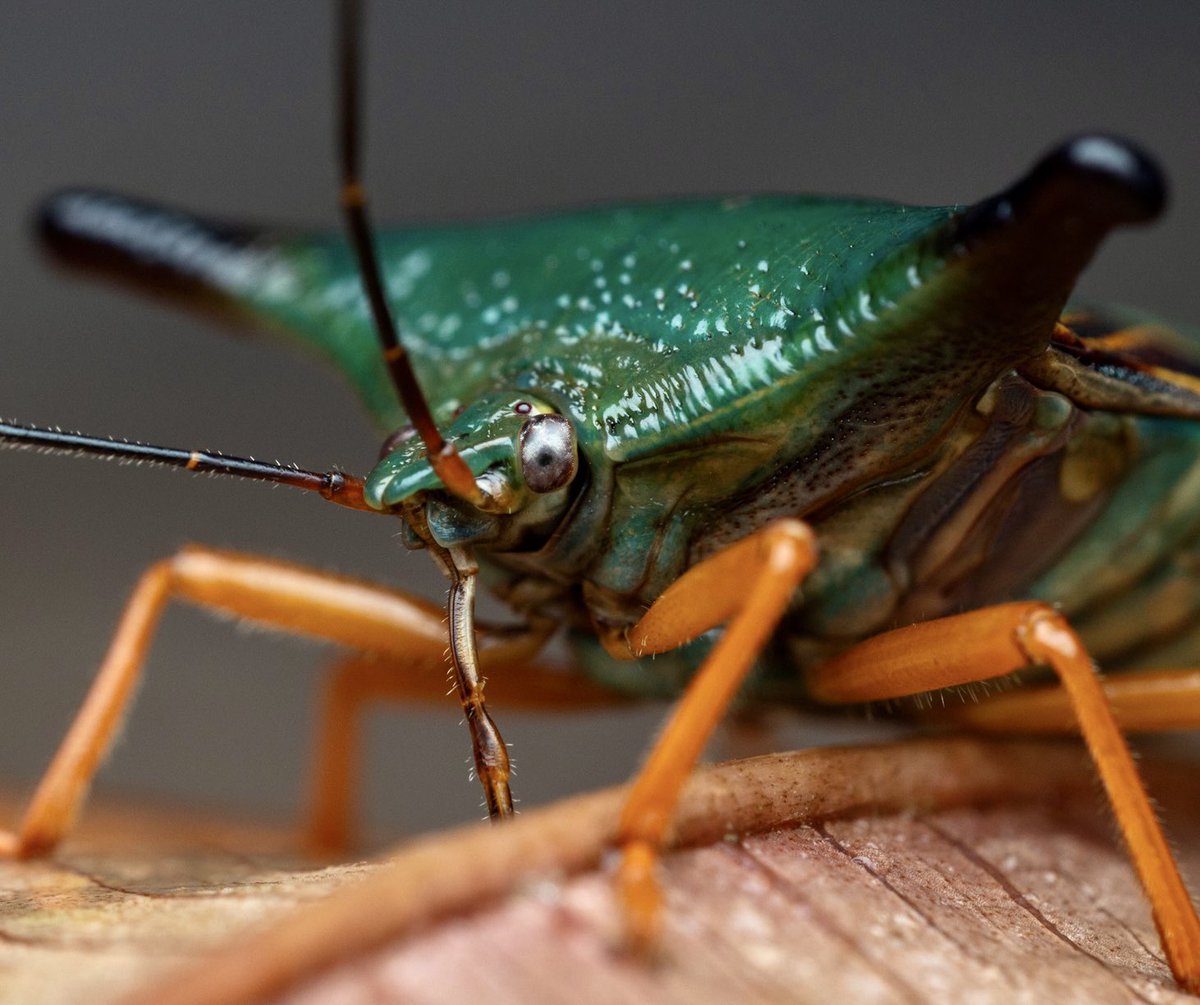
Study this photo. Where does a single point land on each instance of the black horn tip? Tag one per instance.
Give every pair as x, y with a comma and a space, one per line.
1112, 176
1094, 181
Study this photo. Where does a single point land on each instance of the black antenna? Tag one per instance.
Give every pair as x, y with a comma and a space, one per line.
447, 463
345, 490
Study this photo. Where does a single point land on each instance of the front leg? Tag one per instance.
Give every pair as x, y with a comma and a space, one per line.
407, 631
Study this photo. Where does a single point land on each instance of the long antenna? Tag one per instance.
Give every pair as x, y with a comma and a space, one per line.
449, 466
343, 489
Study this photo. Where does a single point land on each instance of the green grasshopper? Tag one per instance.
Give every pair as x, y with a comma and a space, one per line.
830, 420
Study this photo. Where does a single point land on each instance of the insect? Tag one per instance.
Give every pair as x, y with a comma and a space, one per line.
69, 342
755, 265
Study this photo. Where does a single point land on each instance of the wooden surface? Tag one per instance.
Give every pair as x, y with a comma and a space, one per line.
833, 875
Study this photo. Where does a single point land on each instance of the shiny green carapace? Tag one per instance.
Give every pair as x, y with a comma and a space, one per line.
898, 377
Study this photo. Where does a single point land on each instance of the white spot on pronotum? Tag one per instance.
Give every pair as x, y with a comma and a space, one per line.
864, 306
686, 265
677, 322
651, 423
762, 265
500, 279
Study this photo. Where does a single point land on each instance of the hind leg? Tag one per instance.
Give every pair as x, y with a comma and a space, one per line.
998, 640
1144, 701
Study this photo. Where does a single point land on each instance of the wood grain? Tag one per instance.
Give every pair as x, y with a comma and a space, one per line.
933, 871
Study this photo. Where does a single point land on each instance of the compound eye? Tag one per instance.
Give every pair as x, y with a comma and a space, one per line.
548, 454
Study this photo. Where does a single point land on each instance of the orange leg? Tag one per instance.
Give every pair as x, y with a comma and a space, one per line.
360, 681
750, 585
998, 640
404, 629
1144, 701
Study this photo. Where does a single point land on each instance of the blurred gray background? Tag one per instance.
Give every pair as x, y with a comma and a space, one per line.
475, 109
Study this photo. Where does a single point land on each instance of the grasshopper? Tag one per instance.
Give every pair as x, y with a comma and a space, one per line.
835, 418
